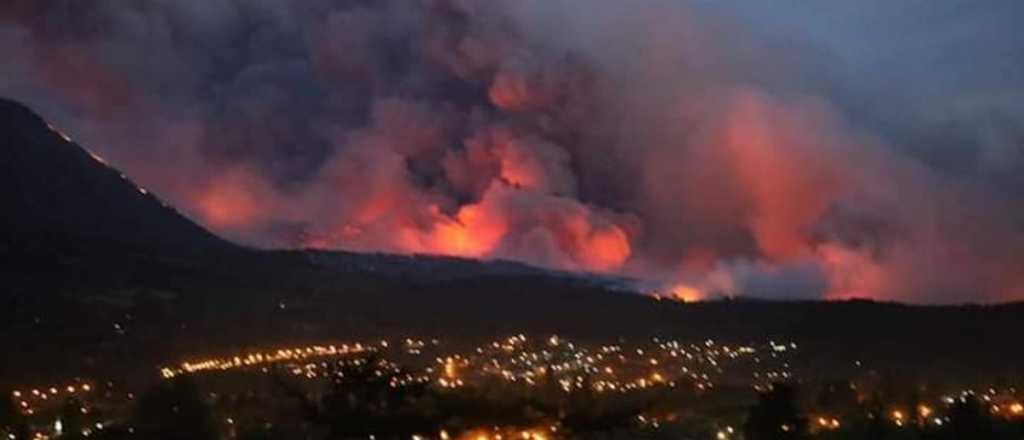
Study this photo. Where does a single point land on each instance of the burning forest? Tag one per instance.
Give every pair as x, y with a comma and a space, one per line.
675, 143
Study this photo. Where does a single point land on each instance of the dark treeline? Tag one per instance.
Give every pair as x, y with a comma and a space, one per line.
778, 416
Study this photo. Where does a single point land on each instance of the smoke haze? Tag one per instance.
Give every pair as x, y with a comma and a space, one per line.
708, 149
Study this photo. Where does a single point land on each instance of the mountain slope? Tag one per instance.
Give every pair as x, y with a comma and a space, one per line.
70, 220
57, 196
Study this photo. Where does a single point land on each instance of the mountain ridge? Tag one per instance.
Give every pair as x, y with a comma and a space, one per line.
72, 215
58, 193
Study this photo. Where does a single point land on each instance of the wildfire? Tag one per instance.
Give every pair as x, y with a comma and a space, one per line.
232, 200
641, 154
853, 274
606, 250
475, 232
472, 232
685, 293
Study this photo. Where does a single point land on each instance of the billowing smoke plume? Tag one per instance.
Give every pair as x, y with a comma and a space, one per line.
674, 142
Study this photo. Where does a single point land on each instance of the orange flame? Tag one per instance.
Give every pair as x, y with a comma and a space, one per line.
231, 201
686, 293
606, 250
473, 232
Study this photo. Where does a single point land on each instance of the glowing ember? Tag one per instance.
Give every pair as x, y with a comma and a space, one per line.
686, 293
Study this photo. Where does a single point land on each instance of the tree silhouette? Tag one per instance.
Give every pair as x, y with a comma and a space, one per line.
113, 433
776, 416
260, 434
837, 397
174, 411
585, 413
9, 413
72, 420
875, 425
489, 405
365, 400
970, 419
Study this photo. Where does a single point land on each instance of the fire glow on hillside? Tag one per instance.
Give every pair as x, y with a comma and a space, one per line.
660, 151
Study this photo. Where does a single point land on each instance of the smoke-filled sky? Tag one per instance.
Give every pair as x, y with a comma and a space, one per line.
784, 149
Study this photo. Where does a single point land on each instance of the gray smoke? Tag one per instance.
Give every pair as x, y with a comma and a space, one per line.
800, 150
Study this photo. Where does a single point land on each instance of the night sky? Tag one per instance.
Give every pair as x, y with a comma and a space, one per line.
784, 149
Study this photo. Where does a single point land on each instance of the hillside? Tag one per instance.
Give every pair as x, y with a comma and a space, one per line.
84, 248
67, 213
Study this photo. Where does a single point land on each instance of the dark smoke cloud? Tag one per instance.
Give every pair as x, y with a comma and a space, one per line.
707, 148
